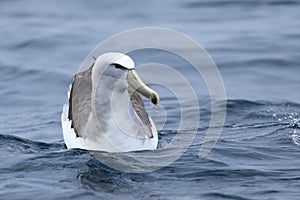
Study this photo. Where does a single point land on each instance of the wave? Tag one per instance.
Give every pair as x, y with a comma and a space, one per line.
19, 73
11, 143
224, 3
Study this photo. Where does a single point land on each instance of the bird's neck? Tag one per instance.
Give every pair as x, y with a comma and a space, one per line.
111, 102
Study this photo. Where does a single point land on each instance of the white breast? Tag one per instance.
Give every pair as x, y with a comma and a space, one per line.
115, 140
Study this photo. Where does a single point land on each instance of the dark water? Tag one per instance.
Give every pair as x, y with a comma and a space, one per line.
256, 46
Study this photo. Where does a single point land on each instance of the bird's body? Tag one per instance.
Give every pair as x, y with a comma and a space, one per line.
105, 111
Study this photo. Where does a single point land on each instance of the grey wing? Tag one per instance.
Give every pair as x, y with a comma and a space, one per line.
80, 101
139, 107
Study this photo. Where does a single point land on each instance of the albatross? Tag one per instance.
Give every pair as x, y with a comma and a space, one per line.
106, 111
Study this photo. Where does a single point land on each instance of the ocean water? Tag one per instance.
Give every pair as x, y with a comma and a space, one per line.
255, 45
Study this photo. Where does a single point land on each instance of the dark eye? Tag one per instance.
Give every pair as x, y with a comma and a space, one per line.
119, 66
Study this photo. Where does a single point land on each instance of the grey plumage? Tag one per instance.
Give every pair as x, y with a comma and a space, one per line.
80, 100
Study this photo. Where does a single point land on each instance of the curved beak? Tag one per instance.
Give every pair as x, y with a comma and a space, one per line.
137, 84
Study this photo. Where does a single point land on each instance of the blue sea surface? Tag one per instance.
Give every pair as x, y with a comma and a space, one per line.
256, 47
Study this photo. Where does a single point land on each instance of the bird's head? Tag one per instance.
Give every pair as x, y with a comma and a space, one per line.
119, 65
